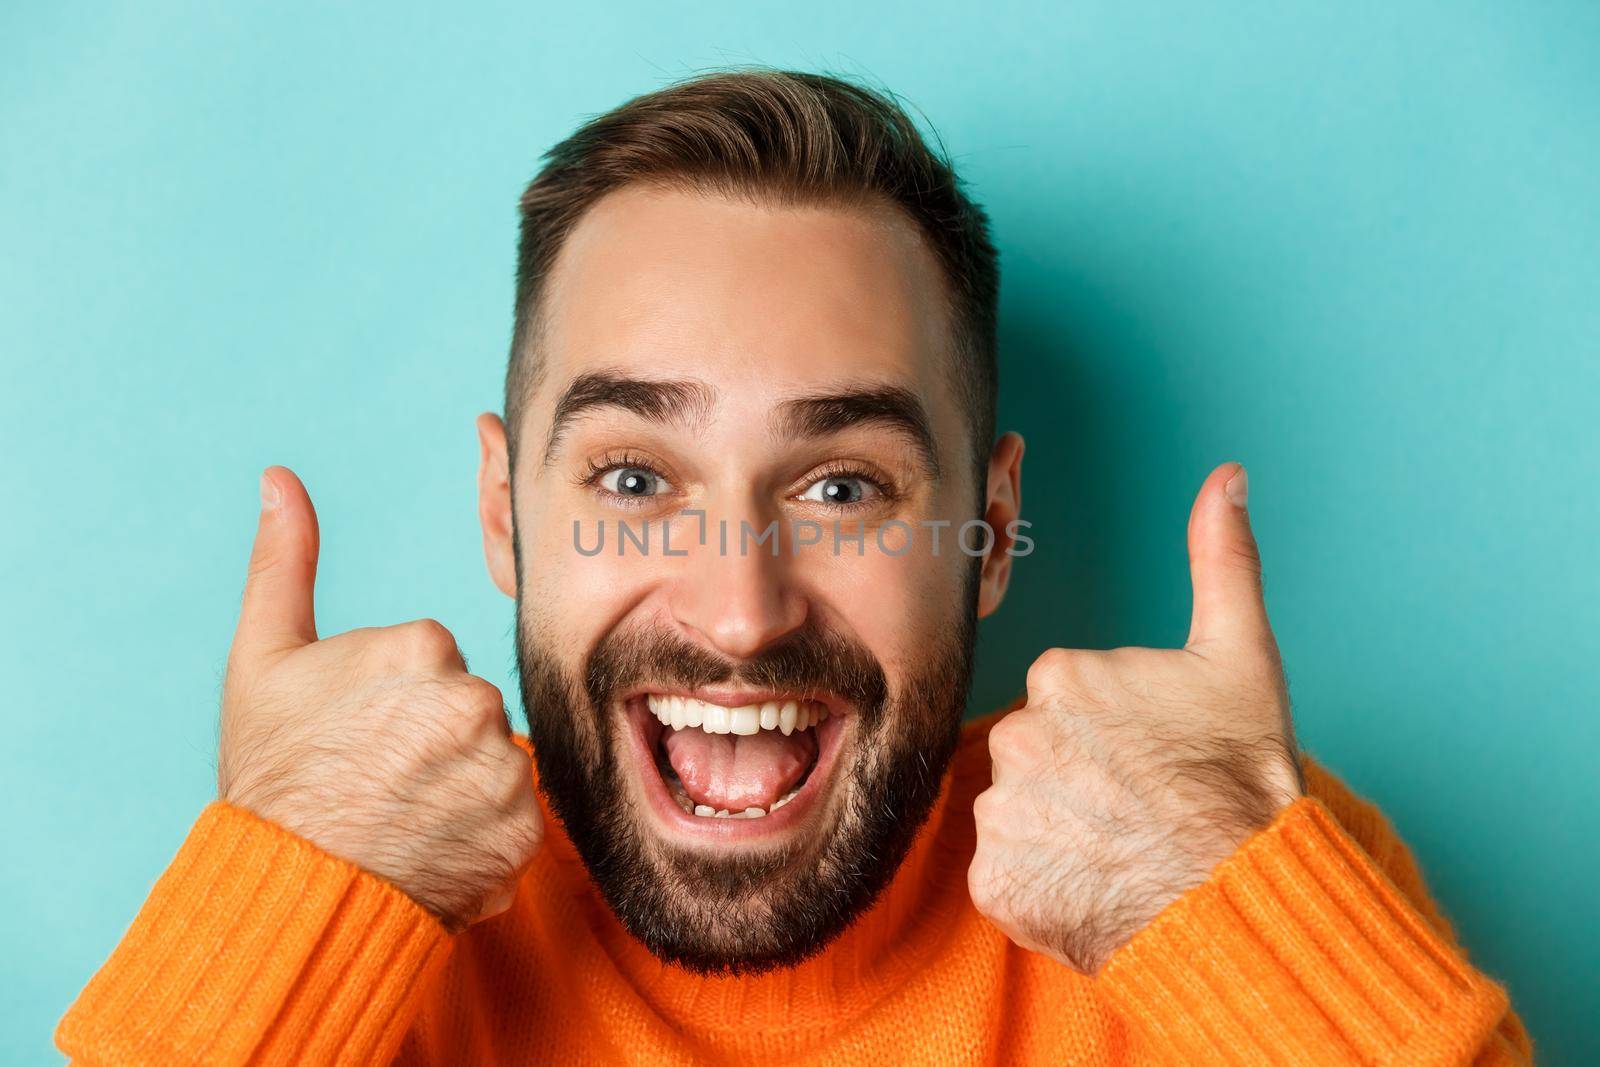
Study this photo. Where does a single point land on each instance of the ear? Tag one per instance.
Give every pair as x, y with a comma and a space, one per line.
1004, 507
494, 503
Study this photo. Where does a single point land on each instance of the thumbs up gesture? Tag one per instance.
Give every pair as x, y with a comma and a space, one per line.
1130, 773
376, 744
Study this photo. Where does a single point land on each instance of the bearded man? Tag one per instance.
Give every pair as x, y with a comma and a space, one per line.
750, 501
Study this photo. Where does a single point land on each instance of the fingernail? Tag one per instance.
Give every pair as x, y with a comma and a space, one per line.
270, 496
1238, 487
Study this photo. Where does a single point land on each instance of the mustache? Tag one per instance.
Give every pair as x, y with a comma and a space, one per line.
806, 661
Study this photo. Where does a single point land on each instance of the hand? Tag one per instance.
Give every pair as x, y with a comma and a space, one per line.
1129, 774
376, 745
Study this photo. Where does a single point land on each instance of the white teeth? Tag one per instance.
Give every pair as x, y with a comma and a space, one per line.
683, 713
719, 720
706, 811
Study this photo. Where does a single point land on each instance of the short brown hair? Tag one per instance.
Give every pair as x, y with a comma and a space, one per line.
778, 136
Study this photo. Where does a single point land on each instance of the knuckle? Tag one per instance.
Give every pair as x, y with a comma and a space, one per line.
1011, 740
262, 563
1053, 669
427, 638
477, 703
1245, 556
978, 877
484, 714
516, 786
983, 888
987, 807
486, 698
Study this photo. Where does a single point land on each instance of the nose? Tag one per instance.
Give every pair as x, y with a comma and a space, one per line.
737, 602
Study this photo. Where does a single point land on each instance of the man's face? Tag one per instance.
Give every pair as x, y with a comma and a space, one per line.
741, 743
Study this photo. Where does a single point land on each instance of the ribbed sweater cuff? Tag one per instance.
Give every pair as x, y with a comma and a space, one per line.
256, 945
1297, 949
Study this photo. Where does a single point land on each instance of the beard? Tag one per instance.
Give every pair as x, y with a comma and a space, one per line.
748, 909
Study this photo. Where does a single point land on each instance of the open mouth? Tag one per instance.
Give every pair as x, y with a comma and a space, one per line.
733, 764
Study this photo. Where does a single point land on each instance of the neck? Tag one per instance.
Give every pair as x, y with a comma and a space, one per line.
885, 945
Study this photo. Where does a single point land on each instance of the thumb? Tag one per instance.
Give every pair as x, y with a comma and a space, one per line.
276, 614
1224, 563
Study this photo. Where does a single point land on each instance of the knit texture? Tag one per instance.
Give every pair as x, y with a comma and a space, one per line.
1315, 942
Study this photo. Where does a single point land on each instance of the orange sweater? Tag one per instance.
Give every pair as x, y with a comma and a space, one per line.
1315, 942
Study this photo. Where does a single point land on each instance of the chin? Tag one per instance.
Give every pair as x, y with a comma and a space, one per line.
737, 821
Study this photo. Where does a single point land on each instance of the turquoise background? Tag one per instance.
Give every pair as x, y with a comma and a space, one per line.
1355, 245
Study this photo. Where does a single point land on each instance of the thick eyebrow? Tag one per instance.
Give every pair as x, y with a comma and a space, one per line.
678, 400
821, 414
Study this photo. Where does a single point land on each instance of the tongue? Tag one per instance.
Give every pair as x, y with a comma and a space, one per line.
735, 772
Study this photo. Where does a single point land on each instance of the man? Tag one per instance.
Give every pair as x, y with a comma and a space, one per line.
750, 502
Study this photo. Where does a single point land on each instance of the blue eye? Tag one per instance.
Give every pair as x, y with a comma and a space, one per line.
633, 481
840, 490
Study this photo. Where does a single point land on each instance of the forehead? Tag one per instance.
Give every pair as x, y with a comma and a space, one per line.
754, 299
